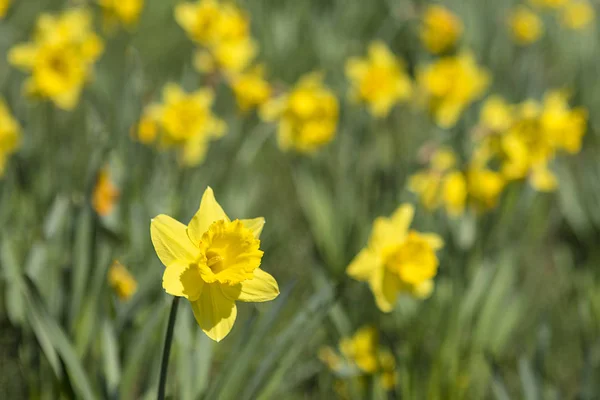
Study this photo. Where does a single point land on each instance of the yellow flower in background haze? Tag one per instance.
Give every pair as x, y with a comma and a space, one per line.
60, 58
213, 262
4, 5
450, 85
440, 29
251, 89
577, 14
484, 186
387, 365
183, 120
549, 3
10, 135
526, 26
105, 194
397, 259
125, 11
361, 349
121, 281
380, 80
496, 114
307, 115
564, 126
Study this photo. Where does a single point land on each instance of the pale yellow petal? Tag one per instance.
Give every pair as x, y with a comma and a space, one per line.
170, 240
363, 265
209, 212
255, 225
385, 287
434, 240
214, 312
183, 279
403, 217
23, 55
263, 287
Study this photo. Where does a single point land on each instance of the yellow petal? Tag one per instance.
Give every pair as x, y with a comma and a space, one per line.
391, 231
424, 289
434, 240
209, 212
402, 218
214, 312
171, 241
23, 55
255, 225
263, 287
363, 266
183, 279
385, 287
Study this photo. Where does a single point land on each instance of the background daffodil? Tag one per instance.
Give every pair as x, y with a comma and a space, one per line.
212, 262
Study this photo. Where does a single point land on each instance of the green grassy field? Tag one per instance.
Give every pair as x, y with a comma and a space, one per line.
515, 310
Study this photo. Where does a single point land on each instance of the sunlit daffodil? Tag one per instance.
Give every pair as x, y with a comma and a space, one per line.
184, 121
213, 262
564, 126
10, 135
380, 80
4, 5
250, 88
121, 281
362, 349
60, 59
450, 84
127, 12
397, 259
307, 116
440, 29
106, 193
577, 14
526, 26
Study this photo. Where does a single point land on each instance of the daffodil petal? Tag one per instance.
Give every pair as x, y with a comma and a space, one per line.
363, 266
263, 287
385, 287
434, 240
183, 279
402, 218
214, 312
255, 225
209, 212
170, 240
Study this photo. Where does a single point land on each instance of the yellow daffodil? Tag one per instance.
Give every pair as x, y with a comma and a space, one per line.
397, 259
549, 3
484, 186
61, 57
10, 135
450, 85
4, 5
183, 120
106, 194
440, 29
380, 80
496, 114
250, 88
564, 126
526, 26
213, 262
361, 349
387, 365
126, 12
121, 281
577, 14
307, 116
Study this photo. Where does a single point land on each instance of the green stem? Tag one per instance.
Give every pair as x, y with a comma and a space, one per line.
164, 364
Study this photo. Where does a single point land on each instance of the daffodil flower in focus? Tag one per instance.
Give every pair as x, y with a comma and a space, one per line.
213, 262
397, 259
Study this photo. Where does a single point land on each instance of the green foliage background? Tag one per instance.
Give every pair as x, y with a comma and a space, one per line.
516, 310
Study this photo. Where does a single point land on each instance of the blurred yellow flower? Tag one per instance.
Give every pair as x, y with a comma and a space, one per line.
484, 186
577, 14
450, 85
564, 126
10, 135
213, 262
183, 120
440, 29
307, 116
380, 80
397, 259
223, 30
125, 11
387, 365
60, 58
121, 281
4, 5
361, 349
526, 26
105, 194
549, 3
251, 89
496, 114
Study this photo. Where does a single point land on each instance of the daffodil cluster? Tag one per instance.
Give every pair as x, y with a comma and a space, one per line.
184, 121
397, 259
450, 84
361, 354
10, 135
531, 136
60, 57
307, 115
380, 80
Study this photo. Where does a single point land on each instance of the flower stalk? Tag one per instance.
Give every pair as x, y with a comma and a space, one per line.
164, 364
